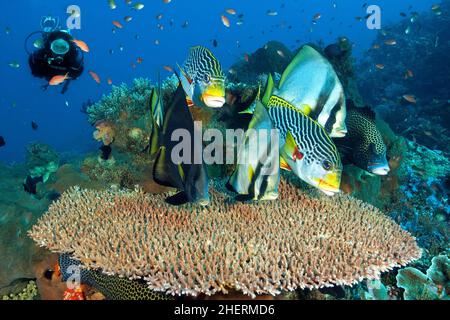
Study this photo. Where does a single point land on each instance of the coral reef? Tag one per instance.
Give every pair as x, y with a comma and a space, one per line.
18, 211
273, 57
297, 242
122, 102
28, 293
41, 160
433, 285
411, 88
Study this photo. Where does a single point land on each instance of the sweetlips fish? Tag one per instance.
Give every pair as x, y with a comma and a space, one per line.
311, 85
304, 148
363, 145
202, 79
112, 287
307, 150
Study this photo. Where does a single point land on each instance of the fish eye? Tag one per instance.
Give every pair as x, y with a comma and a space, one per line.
327, 165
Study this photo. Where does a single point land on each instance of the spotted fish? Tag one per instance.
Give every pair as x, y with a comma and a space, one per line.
363, 145
311, 85
202, 79
112, 287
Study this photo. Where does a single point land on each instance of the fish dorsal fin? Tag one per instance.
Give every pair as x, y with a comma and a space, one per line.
306, 52
261, 118
165, 172
284, 165
276, 101
155, 139
186, 82
270, 86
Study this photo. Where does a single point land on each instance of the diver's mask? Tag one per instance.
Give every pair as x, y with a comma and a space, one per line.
49, 24
59, 48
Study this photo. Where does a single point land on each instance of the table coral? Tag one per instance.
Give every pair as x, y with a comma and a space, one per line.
297, 242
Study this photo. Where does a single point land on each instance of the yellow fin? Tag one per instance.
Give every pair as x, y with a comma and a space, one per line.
270, 86
284, 165
290, 144
181, 172
251, 173
306, 109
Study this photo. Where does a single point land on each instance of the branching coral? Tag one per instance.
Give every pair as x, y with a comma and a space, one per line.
297, 242
122, 99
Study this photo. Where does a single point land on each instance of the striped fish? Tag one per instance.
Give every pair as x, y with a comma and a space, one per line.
306, 148
311, 85
202, 79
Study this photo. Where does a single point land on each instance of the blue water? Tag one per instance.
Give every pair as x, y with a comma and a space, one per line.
65, 127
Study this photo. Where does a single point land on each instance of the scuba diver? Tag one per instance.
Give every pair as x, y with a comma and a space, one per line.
56, 54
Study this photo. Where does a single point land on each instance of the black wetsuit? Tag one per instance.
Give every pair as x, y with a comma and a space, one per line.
45, 64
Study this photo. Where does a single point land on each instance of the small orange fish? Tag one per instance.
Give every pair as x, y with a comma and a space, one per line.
167, 1
168, 68
380, 66
139, 60
376, 46
109, 81
57, 80
410, 98
225, 21
81, 44
246, 57
117, 24
231, 11
94, 76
